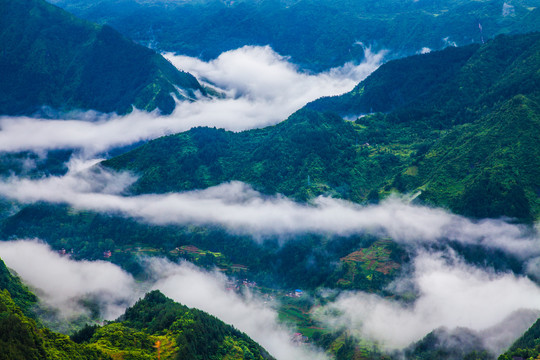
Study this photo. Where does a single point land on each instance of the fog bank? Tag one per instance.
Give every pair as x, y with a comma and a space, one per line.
240, 209
451, 294
62, 283
261, 88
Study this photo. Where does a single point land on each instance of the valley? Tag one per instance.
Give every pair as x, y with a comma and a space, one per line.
273, 196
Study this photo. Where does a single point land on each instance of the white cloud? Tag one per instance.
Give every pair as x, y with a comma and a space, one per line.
263, 89
193, 287
240, 209
450, 294
62, 282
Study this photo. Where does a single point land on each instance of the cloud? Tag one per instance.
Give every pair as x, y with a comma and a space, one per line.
207, 291
62, 283
262, 89
450, 294
240, 209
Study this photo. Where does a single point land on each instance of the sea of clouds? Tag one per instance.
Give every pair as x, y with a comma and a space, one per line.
262, 88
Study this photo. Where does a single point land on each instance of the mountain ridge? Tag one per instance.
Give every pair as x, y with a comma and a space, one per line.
153, 324
52, 59
395, 149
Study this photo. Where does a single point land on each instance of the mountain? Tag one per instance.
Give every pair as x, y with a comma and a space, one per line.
50, 58
279, 158
22, 337
153, 325
459, 125
190, 333
478, 121
527, 346
317, 34
20, 294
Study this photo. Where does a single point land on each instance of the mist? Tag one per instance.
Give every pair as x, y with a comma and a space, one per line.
207, 291
447, 293
450, 294
261, 88
240, 209
62, 283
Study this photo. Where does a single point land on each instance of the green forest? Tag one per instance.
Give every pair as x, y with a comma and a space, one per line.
72, 64
456, 129
405, 142
153, 325
317, 34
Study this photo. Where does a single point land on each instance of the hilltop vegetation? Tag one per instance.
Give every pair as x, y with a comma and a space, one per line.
527, 346
477, 128
20, 294
21, 337
154, 324
50, 58
482, 98
317, 34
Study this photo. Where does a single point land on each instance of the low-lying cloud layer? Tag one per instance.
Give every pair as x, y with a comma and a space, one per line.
262, 89
62, 282
451, 294
240, 209
189, 285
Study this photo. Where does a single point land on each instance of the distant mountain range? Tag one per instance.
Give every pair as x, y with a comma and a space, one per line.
51, 59
317, 34
461, 126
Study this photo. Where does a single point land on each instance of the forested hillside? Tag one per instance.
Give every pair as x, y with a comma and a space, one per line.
153, 325
464, 135
479, 124
437, 156
527, 346
19, 293
50, 58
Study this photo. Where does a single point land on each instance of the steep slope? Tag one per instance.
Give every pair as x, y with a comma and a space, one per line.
445, 88
527, 346
318, 34
50, 58
157, 325
196, 334
21, 338
484, 161
274, 159
153, 325
488, 168
20, 294
444, 344
484, 99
